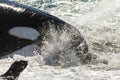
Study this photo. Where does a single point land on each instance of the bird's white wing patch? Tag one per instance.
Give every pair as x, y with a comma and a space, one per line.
24, 32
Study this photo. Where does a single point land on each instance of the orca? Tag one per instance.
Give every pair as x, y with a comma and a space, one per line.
16, 18
14, 71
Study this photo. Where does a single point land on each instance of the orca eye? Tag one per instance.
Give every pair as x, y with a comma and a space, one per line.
24, 32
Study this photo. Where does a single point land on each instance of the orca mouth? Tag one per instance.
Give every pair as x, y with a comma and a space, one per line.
60, 47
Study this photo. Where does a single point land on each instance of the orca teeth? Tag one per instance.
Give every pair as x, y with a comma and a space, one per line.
24, 32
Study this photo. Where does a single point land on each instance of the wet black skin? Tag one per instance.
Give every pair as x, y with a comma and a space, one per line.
34, 18
15, 69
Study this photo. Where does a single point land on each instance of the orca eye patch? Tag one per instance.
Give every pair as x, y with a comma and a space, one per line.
24, 32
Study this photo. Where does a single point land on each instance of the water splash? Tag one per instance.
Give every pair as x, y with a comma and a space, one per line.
98, 21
